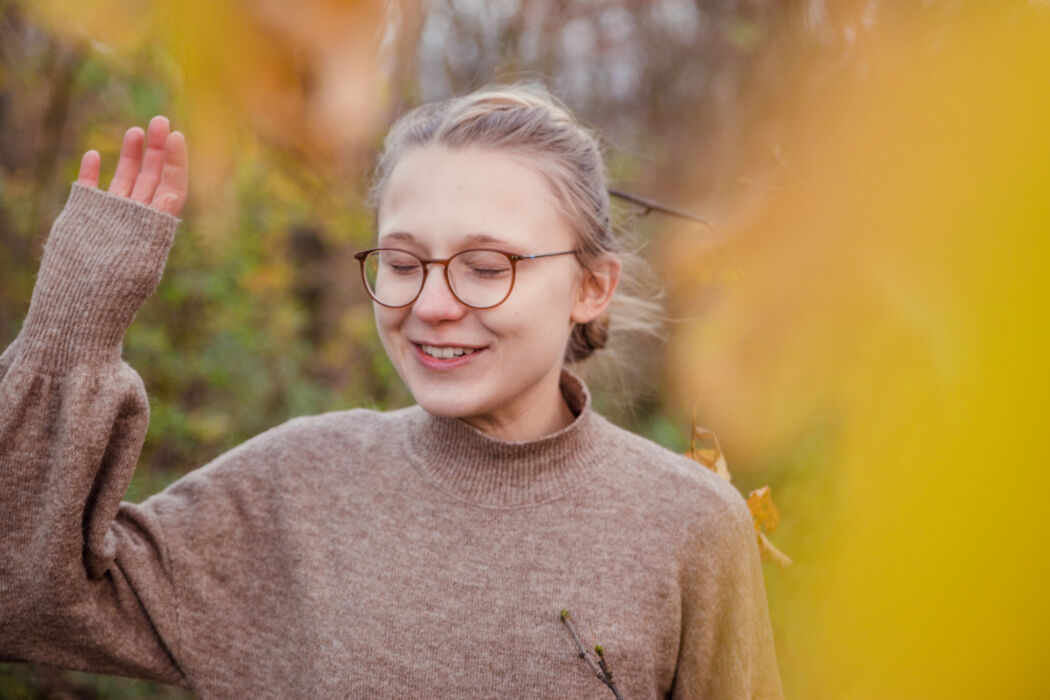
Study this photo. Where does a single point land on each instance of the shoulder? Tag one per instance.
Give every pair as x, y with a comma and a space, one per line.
286, 477
672, 487
335, 431
640, 462
306, 449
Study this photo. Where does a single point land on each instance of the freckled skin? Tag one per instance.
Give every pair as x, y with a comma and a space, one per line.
440, 196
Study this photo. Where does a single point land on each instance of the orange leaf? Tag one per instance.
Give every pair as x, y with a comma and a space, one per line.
709, 454
763, 512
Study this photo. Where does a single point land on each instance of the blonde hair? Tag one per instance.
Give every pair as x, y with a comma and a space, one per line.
525, 119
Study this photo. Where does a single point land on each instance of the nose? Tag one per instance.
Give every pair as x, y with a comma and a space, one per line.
436, 302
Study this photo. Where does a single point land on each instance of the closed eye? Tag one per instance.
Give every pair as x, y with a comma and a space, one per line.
489, 273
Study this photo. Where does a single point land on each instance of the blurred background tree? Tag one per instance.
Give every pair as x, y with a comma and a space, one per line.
821, 322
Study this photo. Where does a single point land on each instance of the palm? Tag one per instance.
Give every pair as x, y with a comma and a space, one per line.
153, 167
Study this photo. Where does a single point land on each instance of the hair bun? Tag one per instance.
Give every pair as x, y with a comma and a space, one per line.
586, 338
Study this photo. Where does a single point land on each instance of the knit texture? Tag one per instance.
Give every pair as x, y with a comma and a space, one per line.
351, 554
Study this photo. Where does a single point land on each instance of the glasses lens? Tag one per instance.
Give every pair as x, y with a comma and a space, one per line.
393, 276
480, 277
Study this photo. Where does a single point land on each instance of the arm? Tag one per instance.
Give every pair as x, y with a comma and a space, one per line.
727, 640
83, 585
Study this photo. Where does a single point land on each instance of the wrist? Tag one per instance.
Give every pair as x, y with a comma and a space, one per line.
103, 259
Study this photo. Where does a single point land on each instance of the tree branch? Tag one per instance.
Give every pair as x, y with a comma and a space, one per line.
652, 205
649, 205
603, 673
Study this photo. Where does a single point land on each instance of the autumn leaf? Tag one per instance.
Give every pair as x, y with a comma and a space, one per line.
706, 450
764, 513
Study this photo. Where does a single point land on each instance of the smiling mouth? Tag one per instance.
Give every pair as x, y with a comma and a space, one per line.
447, 352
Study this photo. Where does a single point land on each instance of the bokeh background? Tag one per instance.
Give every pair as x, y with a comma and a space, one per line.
865, 326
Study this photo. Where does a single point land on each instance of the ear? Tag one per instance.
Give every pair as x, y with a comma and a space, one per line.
596, 290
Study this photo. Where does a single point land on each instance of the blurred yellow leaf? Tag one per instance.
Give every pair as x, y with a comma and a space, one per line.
765, 514
306, 77
893, 300
705, 449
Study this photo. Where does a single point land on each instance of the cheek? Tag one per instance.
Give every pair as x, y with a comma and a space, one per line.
388, 323
538, 318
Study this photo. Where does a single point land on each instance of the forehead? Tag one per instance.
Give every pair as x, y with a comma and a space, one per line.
444, 198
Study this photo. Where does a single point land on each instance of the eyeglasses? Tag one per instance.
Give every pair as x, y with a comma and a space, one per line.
479, 278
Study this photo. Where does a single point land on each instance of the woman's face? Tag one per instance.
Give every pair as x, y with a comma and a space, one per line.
439, 201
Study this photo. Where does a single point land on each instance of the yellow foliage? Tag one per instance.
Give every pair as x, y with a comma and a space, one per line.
305, 76
272, 277
894, 294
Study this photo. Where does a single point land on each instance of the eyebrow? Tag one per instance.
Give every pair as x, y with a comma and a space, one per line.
397, 236
470, 239
484, 238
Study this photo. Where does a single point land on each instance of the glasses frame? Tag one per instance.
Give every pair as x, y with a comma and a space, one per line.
514, 259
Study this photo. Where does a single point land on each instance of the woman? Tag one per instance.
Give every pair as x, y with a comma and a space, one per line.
427, 551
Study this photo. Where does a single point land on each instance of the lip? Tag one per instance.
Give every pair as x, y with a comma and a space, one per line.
440, 364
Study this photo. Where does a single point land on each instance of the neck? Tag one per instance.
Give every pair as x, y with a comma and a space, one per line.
482, 469
533, 417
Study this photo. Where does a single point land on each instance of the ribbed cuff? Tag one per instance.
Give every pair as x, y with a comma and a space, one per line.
104, 257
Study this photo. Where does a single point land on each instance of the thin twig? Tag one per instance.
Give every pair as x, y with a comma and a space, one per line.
608, 674
652, 205
603, 674
649, 205
579, 644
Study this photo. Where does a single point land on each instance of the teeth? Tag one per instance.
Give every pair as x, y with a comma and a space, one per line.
446, 353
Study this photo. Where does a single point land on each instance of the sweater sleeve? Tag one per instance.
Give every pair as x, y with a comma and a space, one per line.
726, 649
84, 581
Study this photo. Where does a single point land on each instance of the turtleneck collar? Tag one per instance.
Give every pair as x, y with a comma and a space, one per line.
466, 462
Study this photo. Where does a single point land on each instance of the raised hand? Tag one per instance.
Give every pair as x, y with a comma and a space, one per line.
159, 178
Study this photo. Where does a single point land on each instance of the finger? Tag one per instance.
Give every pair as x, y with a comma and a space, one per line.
167, 203
128, 165
174, 179
152, 162
90, 165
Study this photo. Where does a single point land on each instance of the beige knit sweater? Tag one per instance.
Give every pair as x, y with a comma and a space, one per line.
351, 554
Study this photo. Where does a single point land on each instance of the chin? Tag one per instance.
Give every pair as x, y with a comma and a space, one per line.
438, 403
448, 399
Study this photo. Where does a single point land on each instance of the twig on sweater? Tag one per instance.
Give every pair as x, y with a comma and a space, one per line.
601, 669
